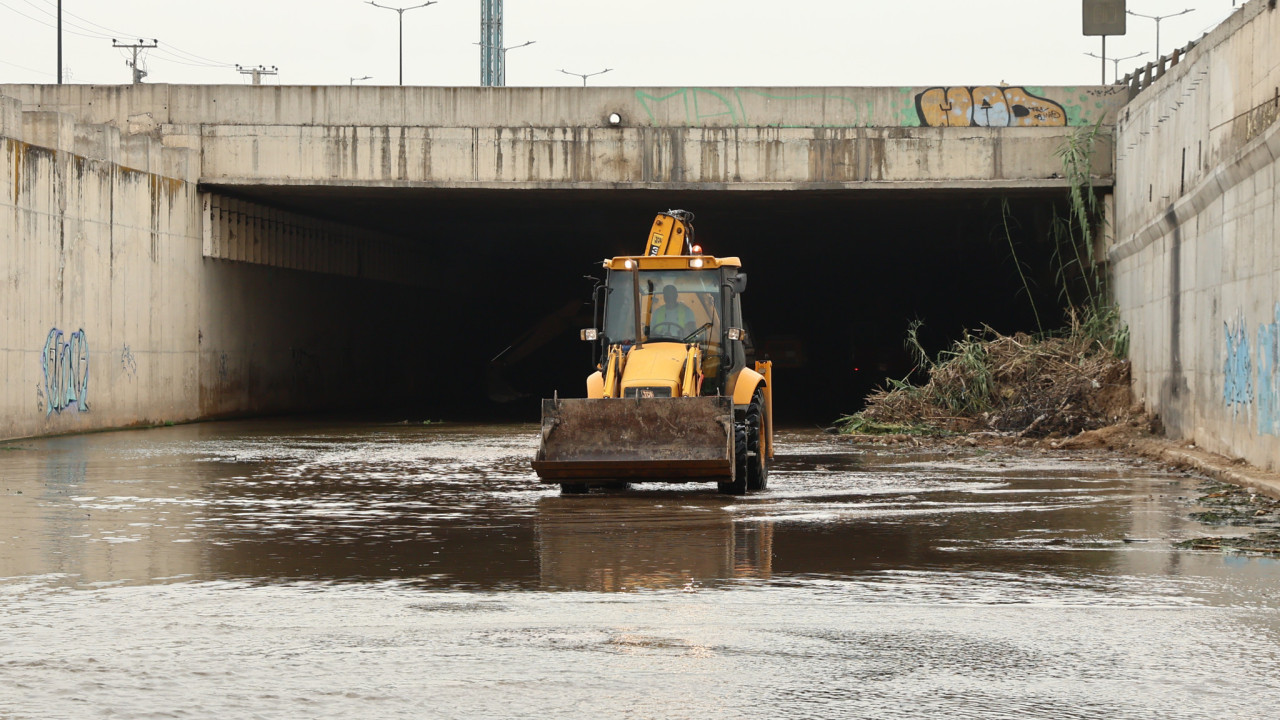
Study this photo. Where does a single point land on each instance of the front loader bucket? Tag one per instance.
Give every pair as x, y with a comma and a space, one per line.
636, 439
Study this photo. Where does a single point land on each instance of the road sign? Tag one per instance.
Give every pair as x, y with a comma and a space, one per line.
1104, 17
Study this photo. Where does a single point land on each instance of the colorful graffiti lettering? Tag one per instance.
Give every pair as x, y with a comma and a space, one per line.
987, 106
1269, 376
66, 371
1237, 370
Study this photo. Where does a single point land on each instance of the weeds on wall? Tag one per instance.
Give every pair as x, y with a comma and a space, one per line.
1058, 382
1081, 280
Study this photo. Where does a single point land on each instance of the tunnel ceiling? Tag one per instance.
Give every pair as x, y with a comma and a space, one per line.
836, 276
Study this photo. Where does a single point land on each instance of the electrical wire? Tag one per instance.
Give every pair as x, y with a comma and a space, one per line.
176, 54
24, 67
42, 22
173, 49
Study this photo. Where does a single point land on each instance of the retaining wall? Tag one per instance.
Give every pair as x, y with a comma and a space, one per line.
111, 315
1196, 264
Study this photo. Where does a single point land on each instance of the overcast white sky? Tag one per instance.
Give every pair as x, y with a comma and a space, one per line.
645, 42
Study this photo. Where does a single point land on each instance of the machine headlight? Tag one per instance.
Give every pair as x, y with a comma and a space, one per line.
589, 334
695, 263
737, 333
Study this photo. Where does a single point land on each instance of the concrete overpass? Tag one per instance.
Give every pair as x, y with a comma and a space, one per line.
181, 252
601, 138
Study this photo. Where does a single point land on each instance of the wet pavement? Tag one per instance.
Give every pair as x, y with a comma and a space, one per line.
282, 569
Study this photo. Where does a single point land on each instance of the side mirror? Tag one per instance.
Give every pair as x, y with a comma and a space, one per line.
589, 334
739, 283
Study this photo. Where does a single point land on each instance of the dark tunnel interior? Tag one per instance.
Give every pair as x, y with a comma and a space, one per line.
835, 279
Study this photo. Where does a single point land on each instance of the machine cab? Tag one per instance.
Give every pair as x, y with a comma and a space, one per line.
678, 300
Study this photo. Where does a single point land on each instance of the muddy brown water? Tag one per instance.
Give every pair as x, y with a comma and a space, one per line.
291, 569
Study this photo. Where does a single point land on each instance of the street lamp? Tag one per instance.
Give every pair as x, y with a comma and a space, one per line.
587, 75
1117, 61
355, 80
502, 67
1158, 18
401, 12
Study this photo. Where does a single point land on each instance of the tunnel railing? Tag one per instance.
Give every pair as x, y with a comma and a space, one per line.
1145, 76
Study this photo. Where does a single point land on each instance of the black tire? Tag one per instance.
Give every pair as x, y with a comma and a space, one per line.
757, 463
739, 484
574, 489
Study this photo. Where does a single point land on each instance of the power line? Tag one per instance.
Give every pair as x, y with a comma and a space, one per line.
89, 32
47, 24
24, 67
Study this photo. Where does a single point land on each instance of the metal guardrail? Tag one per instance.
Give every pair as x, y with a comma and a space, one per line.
1145, 76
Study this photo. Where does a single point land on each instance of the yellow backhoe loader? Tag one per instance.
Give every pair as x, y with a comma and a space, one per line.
672, 398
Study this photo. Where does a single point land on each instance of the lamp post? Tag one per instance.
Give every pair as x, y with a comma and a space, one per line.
1117, 61
587, 75
501, 80
401, 12
1158, 18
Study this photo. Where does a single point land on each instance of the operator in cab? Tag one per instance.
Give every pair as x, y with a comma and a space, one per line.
672, 314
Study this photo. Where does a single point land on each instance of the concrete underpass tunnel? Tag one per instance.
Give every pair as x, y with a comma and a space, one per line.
835, 279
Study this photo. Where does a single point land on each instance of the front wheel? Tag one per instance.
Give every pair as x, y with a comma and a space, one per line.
739, 484
757, 463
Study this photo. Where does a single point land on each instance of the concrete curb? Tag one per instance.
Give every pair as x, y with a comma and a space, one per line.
1211, 464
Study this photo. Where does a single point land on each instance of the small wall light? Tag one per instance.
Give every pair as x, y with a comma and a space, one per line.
615, 118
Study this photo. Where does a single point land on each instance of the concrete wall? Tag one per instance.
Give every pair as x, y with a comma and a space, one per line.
1196, 264
697, 138
111, 315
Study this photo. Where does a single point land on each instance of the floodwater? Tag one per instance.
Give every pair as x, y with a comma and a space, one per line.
285, 569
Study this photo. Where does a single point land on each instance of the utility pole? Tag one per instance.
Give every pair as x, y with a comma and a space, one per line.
138, 73
491, 57
1117, 61
584, 77
258, 72
59, 42
401, 12
1158, 18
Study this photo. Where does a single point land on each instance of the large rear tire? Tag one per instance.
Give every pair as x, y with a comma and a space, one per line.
757, 463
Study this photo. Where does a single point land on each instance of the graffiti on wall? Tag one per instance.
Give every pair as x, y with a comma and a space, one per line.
128, 365
1269, 376
1237, 370
65, 362
987, 106
1252, 374
977, 106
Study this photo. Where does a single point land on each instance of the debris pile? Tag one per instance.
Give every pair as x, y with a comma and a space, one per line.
1014, 385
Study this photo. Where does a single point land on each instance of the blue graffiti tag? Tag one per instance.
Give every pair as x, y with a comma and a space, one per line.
1269, 377
1237, 386
66, 371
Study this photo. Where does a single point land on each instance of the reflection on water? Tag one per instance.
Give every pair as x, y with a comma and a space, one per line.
635, 542
277, 569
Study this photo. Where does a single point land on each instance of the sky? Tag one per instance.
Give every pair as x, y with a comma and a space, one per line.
664, 43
